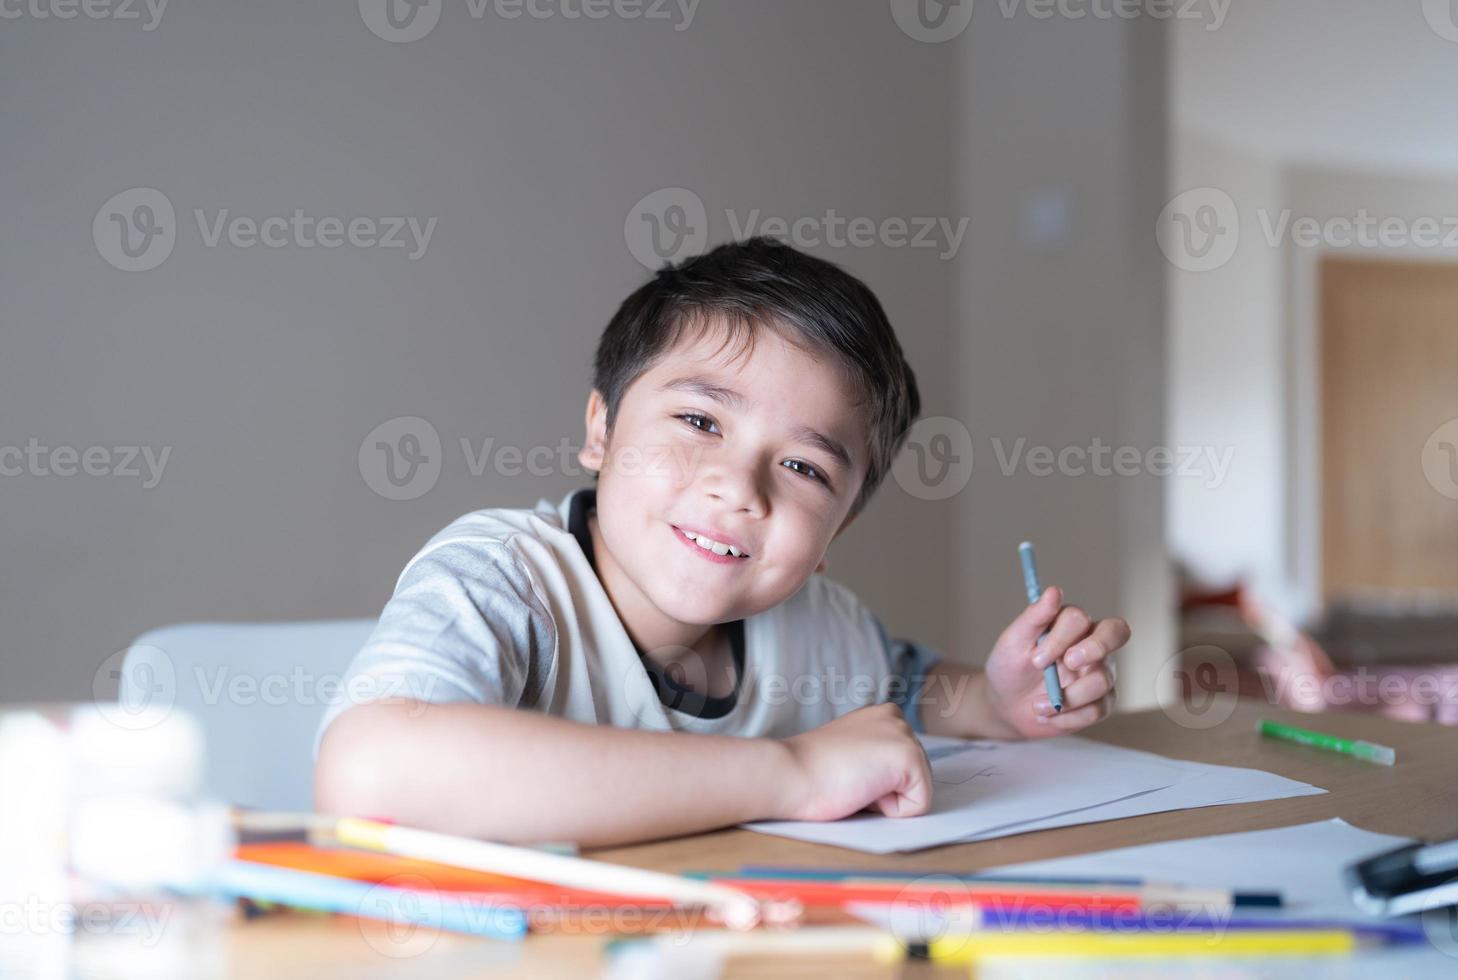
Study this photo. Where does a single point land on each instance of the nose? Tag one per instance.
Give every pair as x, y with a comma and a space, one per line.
736, 486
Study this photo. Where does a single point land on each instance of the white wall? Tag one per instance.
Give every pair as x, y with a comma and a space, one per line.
1226, 384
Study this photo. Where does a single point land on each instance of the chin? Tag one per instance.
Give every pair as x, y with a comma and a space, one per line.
696, 609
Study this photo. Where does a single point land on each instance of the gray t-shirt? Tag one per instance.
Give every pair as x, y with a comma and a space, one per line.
504, 607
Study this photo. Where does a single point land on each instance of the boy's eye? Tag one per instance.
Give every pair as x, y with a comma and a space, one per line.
692, 419
703, 423
808, 470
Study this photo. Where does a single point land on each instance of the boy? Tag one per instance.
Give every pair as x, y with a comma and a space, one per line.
656, 655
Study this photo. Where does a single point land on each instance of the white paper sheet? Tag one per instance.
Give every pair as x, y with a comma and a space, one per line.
1201, 786
986, 789
1304, 863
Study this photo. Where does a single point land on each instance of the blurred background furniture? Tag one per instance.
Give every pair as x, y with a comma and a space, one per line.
1396, 656
257, 689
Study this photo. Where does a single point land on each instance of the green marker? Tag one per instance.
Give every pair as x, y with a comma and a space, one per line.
1370, 751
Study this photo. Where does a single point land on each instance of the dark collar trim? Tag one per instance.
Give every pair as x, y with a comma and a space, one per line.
670, 692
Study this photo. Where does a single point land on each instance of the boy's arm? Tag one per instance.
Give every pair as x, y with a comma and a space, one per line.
954, 702
517, 776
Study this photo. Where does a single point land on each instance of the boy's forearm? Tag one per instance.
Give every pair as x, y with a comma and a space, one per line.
520, 777
954, 702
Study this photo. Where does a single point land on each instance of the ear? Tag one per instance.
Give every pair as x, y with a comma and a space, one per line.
594, 446
848, 521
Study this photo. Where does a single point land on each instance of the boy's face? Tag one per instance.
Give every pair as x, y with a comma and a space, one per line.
743, 468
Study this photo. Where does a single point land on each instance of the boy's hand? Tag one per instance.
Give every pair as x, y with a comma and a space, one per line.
867, 759
1015, 691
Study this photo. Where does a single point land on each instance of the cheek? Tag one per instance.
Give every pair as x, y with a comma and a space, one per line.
658, 455
802, 533
674, 464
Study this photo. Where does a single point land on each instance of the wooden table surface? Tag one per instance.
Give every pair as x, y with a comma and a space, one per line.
1418, 797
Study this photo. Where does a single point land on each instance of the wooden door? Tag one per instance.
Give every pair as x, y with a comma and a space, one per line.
1389, 427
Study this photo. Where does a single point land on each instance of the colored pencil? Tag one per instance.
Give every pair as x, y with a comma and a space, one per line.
969, 948
1006, 919
734, 907
1245, 899
810, 873
1128, 899
306, 890
1034, 588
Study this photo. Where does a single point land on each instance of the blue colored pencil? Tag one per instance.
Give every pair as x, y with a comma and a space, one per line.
1035, 591
991, 917
772, 872
791, 872
326, 893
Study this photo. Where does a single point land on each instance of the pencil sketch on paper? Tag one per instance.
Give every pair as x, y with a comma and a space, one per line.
956, 779
969, 769
942, 751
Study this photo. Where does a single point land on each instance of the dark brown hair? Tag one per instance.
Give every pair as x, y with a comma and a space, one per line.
761, 283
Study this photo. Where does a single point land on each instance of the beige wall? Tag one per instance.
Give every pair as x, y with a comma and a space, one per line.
1062, 166
264, 369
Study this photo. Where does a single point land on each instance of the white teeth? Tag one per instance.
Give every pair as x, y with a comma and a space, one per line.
709, 544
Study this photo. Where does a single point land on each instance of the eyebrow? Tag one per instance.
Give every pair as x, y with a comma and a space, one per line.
733, 399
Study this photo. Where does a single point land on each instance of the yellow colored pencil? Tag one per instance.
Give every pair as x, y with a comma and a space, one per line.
971, 947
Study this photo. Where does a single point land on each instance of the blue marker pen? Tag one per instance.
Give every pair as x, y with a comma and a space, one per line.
1035, 591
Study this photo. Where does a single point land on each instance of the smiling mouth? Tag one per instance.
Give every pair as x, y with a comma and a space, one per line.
708, 547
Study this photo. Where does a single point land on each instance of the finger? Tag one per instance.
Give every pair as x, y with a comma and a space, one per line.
1024, 631
1087, 688
910, 800
1067, 675
1070, 627
1107, 636
1071, 721
888, 805
1079, 689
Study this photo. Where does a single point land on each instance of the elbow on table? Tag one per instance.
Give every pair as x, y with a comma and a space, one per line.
356, 773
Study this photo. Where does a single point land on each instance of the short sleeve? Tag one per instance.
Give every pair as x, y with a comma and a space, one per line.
465, 625
908, 664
